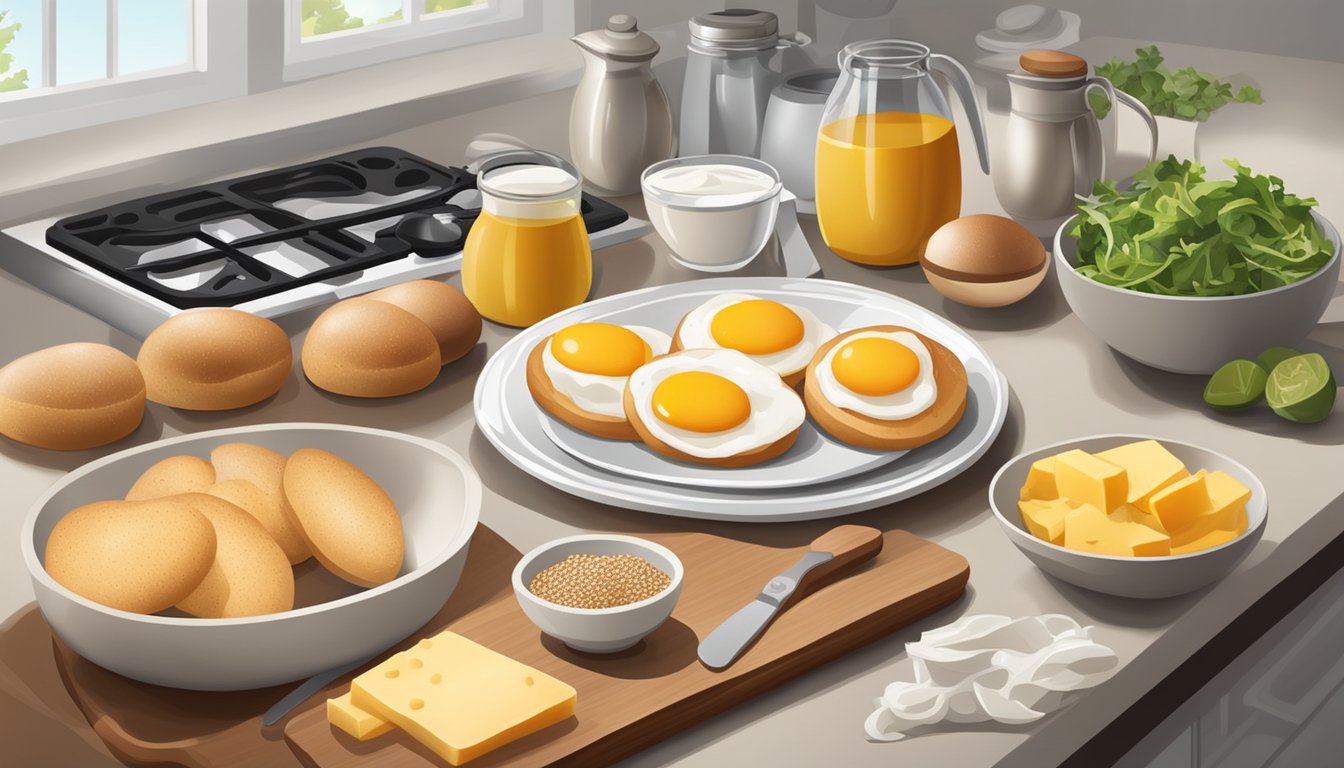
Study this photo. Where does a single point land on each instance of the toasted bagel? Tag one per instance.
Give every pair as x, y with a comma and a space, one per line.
886, 435
559, 405
757, 456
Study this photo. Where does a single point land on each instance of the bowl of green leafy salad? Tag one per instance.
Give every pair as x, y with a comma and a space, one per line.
1183, 273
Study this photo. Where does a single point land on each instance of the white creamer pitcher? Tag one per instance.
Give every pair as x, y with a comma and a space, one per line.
1053, 148
620, 122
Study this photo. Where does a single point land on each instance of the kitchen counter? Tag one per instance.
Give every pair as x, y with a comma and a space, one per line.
1065, 383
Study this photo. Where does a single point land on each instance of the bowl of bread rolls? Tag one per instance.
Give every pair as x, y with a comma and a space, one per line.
248, 557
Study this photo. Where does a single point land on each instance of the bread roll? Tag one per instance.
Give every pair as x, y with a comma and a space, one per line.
215, 359
71, 396
268, 510
451, 317
264, 469
173, 476
366, 348
347, 519
137, 556
250, 575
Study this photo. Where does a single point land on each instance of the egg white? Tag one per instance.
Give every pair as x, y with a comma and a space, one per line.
695, 333
776, 410
590, 391
905, 404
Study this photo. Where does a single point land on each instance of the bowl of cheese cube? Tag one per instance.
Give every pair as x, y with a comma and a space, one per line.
1130, 515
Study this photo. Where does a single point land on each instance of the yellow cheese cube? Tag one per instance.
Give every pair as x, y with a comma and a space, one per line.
1040, 483
1149, 467
363, 725
1227, 505
460, 699
1083, 478
1045, 519
1182, 503
1129, 513
1088, 529
1212, 537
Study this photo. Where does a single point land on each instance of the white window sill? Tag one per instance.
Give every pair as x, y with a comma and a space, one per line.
55, 173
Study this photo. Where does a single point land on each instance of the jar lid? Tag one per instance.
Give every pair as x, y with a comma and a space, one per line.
1053, 64
736, 29
527, 181
620, 40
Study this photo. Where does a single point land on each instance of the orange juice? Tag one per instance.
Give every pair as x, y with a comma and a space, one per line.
885, 182
520, 270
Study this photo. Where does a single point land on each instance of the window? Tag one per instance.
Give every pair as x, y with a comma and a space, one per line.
47, 44
70, 63
323, 36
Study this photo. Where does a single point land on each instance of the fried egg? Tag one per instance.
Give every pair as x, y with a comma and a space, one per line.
713, 403
882, 375
779, 336
590, 362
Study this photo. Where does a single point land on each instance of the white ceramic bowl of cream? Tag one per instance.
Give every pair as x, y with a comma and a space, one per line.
716, 212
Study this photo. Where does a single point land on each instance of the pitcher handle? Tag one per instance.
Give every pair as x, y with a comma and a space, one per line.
1137, 106
798, 39
961, 82
1111, 98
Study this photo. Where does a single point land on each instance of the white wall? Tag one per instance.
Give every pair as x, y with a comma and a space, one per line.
1312, 29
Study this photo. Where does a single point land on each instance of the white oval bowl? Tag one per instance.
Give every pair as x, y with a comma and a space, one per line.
1196, 334
598, 630
1145, 577
435, 489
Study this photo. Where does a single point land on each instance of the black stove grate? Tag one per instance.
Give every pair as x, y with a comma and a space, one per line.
233, 241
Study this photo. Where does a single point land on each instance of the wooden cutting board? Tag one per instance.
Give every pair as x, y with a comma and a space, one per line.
627, 701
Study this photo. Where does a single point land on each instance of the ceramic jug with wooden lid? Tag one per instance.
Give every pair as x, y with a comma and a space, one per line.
1053, 150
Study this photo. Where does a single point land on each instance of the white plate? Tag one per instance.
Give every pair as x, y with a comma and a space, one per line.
507, 416
814, 458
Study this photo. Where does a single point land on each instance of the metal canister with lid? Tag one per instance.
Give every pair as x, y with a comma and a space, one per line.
730, 71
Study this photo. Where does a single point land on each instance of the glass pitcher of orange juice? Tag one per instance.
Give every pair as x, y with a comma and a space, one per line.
527, 255
888, 168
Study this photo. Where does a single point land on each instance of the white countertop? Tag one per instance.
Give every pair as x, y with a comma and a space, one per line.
1064, 383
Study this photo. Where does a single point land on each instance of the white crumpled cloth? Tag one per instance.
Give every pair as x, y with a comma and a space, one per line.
987, 667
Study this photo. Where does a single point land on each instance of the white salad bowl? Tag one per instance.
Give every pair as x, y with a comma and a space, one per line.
1145, 577
598, 630
436, 491
707, 235
1196, 334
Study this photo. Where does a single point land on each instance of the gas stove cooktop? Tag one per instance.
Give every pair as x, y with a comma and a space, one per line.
271, 243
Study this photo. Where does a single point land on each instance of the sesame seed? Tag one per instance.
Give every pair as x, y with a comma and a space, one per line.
599, 581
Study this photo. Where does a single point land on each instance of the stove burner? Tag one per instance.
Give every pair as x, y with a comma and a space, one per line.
233, 241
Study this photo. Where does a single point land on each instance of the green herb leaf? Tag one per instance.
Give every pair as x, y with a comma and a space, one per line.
1174, 233
1184, 93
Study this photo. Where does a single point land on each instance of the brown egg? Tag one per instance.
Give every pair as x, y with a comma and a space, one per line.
446, 310
137, 556
215, 359
250, 575
173, 476
984, 261
366, 348
71, 396
348, 520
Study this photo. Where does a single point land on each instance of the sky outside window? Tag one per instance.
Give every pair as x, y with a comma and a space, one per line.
26, 47
81, 41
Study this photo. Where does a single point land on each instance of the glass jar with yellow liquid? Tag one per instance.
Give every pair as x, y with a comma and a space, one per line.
888, 167
527, 255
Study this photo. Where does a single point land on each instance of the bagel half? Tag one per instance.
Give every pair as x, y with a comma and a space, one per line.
949, 375
559, 405
756, 456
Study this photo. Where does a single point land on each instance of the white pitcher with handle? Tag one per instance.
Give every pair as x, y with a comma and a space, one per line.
1053, 147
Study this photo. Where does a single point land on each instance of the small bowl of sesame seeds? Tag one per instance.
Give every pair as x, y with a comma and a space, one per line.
598, 593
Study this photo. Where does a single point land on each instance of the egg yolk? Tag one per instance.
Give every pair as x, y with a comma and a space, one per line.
601, 349
756, 327
700, 402
875, 366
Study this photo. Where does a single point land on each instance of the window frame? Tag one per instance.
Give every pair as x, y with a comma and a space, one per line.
416, 34
43, 110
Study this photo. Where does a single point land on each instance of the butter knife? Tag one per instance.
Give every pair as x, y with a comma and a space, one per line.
835, 551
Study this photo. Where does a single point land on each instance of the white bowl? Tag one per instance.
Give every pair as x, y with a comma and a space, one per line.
436, 491
598, 630
1196, 334
711, 237
1147, 577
